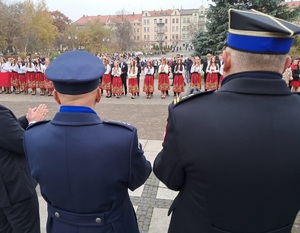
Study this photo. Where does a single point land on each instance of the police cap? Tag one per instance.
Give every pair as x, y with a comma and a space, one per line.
256, 32
76, 72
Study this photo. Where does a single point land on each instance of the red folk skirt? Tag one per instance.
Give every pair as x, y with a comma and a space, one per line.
195, 80
22, 82
40, 80
148, 84
133, 85
106, 82
14, 79
211, 81
31, 80
5, 79
178, 85
163, 82
295, 83
48, 84
117, 85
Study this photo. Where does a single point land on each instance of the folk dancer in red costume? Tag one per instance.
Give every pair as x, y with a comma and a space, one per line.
106, 78
21, 69
163, 78
30, 77
149, 80
5, 78
212, 75
132, 79
117, 87
196, 70
178, 85
14, 74
48, 83
40, 77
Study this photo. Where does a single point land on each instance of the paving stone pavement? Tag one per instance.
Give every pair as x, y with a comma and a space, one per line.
152, 200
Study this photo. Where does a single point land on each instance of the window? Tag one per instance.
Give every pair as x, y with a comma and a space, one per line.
188, 20
173, 37
137, 30
195, 19
177, 20
155, 21
166, 37
184, 20
145, 37
166, 20
148, 21
183, 28
148, 37
134, 37
166, 28
173, 20
145, 29
177, 28
183, 36
160, 20
173, 28
155, 29
134, 30
155, 37
138, 38
148, 29
144, 22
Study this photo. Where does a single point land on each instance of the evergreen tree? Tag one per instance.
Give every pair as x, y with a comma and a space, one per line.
214, 39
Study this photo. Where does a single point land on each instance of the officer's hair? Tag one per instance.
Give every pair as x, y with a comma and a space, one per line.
254, 61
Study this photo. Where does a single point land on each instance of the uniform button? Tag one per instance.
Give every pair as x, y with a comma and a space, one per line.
56, 214
98, 220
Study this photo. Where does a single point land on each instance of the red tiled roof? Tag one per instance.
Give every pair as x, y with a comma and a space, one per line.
292, 4
160, 13
107, 18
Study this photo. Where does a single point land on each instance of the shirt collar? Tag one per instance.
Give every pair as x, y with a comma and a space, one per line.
67, 108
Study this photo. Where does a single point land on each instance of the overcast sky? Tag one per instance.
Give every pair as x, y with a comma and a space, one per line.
74, 9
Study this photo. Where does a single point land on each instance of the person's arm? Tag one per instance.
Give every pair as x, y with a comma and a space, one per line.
11, 137
140, 168
167, 165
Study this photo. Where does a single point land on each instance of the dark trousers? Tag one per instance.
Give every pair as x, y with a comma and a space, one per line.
124, 81
138, 80
22, 217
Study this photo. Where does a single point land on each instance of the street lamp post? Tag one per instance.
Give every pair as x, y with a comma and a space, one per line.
72, 37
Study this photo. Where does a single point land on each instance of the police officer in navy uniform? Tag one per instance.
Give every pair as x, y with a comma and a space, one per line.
232, 154
84, 165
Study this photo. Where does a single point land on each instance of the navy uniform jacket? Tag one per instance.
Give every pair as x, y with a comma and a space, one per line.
233, 156
85, 167
16, 183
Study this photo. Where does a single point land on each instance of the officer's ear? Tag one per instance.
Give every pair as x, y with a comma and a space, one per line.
98, 95
56, 97
227, 60
287, 63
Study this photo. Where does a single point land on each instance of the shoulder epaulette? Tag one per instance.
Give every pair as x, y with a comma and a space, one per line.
119, 123
37, 123
187, 97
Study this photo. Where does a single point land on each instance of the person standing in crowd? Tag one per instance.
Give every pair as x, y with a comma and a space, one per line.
212, 75
196, 70
117, 88
19, 208
132, 79
40, 77
163, 78
139, 67
5, 79
295, 83
48, 83
124, 71
85, 177
245, 177
206, 63
30, 76
14, 75
188, 65
106, 79
178, 85
149, 80
21, 69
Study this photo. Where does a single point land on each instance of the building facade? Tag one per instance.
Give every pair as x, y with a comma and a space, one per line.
160, 30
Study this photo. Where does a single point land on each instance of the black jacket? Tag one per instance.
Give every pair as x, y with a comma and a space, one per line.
16, 183
233, 157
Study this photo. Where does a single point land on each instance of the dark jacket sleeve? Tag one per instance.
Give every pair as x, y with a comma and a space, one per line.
12, 131
168, 165
140, 168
